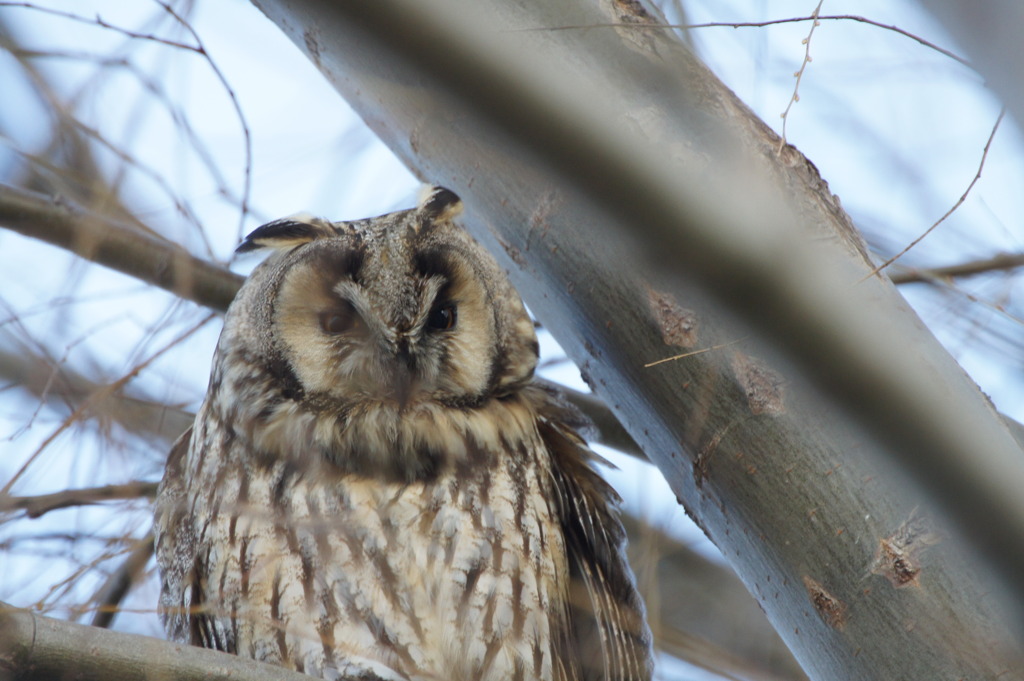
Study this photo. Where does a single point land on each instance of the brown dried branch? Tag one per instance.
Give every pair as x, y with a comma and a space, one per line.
117, 246
38, 505
1003, 261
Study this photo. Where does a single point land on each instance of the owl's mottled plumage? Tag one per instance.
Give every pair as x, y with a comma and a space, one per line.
375, 489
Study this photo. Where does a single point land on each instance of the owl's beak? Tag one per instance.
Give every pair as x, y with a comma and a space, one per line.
403, 377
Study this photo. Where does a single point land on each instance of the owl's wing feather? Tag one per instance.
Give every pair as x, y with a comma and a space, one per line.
605, 610
181, 595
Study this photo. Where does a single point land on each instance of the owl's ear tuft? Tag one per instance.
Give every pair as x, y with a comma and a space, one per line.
440, 204
287, 233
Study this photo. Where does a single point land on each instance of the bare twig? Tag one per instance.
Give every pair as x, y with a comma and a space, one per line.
197, 48
100, 395
691, 353
201, 49
799, 75
959, 202
59, 386
772, 22
66, 165
38, 505
97, 20
837, 17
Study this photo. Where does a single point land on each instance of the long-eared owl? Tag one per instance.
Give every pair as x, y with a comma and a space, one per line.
374, 488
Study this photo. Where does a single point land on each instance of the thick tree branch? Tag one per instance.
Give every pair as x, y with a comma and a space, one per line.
118, 246
37, 648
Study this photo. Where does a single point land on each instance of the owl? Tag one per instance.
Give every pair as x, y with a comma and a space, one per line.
374, 488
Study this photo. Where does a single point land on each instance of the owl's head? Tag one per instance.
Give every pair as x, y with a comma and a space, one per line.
397, 310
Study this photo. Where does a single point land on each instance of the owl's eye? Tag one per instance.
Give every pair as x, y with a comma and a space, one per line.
339, 320
443, 317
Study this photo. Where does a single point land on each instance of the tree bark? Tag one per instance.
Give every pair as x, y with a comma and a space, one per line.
638, 206
33, 647
117, 245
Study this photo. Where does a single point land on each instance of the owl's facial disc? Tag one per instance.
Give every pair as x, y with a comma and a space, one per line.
402, 310
385, 326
